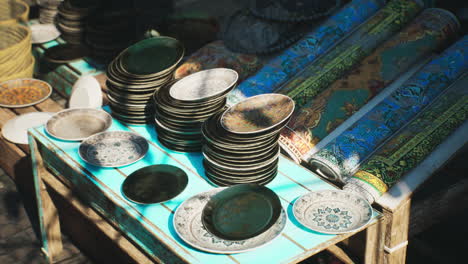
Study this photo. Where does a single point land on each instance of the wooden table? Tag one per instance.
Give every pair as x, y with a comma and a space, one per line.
146, 232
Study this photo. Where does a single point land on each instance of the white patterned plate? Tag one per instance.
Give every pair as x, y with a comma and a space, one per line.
332, 211
16, 129
113, 149
188, 225
204, 85
42, 33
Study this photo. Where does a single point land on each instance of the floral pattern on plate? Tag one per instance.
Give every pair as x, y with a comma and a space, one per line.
113, 149
332, 211
188, 225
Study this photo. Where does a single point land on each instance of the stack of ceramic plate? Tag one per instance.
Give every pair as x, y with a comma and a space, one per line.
137, 73
107, 34
71, 19
48, 9
182, 106
241, 144
16, 60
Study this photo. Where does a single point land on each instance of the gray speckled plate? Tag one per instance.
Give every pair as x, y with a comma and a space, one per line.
113, 149
332, 211
78, 123
188, 225
204, 85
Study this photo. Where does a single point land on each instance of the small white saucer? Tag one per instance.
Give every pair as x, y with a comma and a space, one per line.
42, 33
86, 93
16, 129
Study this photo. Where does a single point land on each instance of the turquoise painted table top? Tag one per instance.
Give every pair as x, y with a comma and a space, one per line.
295, 243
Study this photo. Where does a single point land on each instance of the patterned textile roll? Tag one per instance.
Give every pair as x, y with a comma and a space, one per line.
406, 149
292, 60
317, 76
429, 32
340, 158
214, 55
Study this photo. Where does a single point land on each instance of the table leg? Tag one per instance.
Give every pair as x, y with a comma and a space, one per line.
396, 234
373, 251
47, 212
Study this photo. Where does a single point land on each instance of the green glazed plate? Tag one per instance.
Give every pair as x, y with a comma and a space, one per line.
152, 56
154, 184
241, 212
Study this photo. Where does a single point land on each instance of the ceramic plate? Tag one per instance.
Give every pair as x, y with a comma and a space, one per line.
332, 211
86, 92
113, 149
16, 129
188, 225
23, 92
78, 123
154, 184
64, 53
258, 113
204, 85
241, 212
42, 33
152, 56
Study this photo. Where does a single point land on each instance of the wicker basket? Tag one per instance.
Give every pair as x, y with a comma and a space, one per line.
15, 45
13, 11
24, 72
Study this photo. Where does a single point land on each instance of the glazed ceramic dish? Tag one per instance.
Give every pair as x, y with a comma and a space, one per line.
78, 123
113, 149
258, 114
16, 129
332, 211
241, 212
204, 85
64, 53
42, 33
139, 59
23, 92
86, 92
189, 227
154, 184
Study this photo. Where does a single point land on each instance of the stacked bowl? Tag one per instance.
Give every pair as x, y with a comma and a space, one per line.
16, 59
48, 9
136, 73
71, 19
183, 105
241, 144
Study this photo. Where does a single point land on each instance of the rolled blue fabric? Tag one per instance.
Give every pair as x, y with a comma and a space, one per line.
295, 58
340, 158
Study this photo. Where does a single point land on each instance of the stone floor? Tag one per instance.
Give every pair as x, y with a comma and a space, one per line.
19, 242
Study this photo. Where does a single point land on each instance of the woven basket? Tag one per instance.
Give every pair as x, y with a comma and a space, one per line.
13, 11
15, 41
25, 72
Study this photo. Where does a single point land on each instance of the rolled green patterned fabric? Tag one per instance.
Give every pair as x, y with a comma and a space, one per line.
429, 32
317, 76
406, 149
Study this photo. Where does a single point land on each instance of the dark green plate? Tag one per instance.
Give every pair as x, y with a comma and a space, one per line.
152, 56
154, 184
64, 53
241, 212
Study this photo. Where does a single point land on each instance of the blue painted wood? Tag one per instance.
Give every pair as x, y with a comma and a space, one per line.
140, 221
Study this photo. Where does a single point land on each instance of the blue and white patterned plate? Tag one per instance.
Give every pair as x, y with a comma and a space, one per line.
332, 211
189, 226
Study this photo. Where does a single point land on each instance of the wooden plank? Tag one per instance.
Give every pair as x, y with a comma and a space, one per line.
374, 246
49, 105
48, 215
340, 254
119, 239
